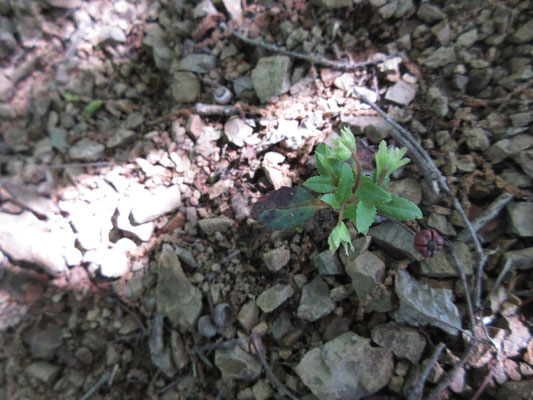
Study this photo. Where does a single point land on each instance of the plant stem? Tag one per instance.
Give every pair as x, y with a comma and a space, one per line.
382, 177
357, 173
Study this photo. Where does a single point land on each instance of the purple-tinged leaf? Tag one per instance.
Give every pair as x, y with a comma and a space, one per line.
285, 208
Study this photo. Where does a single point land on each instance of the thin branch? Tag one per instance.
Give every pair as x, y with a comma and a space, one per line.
415, 393
448, 378
506, 267
489, 213
312, 58
425, 163
101, 382
466, 288
281, 386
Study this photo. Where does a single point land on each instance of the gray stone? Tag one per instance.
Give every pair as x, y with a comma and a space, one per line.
115, 262
271, 77
395, 238
86, 150
262, 390
177, 298
272, 298
407, 188
404, 6
217, 224
525, 160
237, 131
441, 224
234, 8
248, 316
388, 10
26, 238
44, 343
476, 138
276, 259
404, 342
142, 231
155, 40
6, 89
7, 112
440, 57
198, 63
147, 205
235, 363
134, 120
524, 33
109, 34
327, 263
185, 87
439, 102
430, 13
375, 128
333, 4
328, 371
521, 259
478, 79
58, 136
315, 302
521, 222
401, 93
467, 39
296, 38
186, 256
443, 266
44, 372
504, 148
367, 272
521, 119
443, 32
120, 137
512, 390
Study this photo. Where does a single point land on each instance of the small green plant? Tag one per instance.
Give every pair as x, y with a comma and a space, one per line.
345, 183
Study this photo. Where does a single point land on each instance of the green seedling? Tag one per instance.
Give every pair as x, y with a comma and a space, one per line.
346, 184
92, 107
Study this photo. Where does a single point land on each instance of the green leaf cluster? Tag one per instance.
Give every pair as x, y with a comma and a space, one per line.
341, 185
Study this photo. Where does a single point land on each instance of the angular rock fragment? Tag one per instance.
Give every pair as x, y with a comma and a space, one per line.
271, 77
403, 341
345, 368
315, 302
177, 298
272, 298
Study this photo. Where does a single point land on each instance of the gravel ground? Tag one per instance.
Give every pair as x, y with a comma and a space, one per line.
136, 137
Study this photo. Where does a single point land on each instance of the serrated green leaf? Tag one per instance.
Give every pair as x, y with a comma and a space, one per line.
338, 235
371, 192
321, 150
366, 212
336, 166
350, 211
341, 152
320, 184
333, 241
348, 139
331, 199
399, 208
346, 181
285, 208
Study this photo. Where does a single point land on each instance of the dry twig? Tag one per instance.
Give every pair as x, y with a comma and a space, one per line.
284, 390
312, 58
415, 393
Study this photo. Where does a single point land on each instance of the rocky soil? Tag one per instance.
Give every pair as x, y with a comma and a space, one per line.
135, 138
